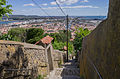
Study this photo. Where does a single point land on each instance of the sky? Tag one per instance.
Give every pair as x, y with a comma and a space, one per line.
70, 7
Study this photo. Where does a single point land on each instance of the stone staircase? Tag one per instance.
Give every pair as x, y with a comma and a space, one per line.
68, 71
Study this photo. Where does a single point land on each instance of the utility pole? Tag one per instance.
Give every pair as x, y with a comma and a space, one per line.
67, 35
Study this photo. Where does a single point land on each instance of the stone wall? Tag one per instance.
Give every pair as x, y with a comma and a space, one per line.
24, 61
36, 58
58, 58
49, 54
21, 60
100, 56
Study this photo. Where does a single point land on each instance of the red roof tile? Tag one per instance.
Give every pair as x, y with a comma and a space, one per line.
45, 40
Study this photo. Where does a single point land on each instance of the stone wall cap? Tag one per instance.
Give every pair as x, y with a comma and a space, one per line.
10, 42
58, 51
32, 46
26, 45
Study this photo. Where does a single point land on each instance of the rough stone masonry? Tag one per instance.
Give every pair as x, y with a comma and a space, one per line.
22, 60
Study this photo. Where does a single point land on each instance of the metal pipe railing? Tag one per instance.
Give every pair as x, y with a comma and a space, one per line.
94, 67
17, 69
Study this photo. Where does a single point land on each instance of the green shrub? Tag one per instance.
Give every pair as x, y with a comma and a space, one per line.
40, 77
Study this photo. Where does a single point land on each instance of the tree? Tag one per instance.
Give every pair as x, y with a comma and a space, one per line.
60, 46
18, 34
31, 35
60, 39
80, 34
6, 37
70, 48
61, 36
34, 35
5, 9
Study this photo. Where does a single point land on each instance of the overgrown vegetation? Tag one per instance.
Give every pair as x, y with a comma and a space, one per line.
18, 34
60, 46
60, 36
6, 37
33, 35
40, 77
5, 9
80, 34
60, 40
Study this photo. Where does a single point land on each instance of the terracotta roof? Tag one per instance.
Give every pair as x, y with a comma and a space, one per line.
45, 40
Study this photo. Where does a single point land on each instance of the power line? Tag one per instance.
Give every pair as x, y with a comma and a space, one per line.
41, 8
67, 22
60, 8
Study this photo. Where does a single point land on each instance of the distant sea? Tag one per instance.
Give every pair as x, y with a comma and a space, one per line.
7, 22
92, 17
82, 17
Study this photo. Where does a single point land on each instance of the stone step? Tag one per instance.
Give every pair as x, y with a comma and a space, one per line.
51, 73
67, 68
65, 77
67, 71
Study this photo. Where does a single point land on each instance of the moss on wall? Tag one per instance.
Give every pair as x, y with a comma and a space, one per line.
11, 49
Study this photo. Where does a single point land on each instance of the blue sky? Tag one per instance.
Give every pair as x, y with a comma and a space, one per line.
71, 7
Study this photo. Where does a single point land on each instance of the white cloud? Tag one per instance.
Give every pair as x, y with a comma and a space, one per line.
29, 4
67, 2
45, 4
53, 3
84, 1
82, 6
73, 7
51, 8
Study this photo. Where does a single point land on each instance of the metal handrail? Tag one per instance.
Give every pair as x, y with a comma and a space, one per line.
94, 67
17, 69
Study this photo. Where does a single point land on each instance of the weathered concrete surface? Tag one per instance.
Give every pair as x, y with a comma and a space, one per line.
102, 47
